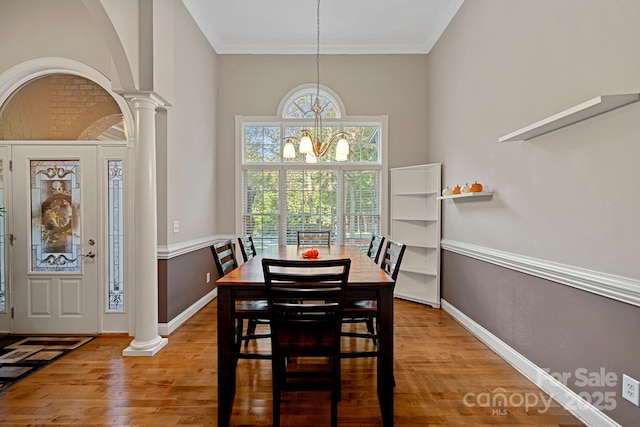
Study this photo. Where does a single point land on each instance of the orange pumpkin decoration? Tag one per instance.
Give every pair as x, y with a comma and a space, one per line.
456, 189
476, 187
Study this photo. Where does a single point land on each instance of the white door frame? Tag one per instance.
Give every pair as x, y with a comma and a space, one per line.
108, 321
20, 74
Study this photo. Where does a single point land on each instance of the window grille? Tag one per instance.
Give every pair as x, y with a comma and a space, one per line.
280, 196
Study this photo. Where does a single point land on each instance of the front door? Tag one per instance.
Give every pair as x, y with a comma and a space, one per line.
54, 274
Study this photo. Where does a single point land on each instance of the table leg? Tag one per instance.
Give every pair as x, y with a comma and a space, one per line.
385, 355
226, 357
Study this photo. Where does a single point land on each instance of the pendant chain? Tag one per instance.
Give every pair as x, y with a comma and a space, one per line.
318, 51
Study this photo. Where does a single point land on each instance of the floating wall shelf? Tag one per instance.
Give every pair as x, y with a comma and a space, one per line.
476, 195
593, 107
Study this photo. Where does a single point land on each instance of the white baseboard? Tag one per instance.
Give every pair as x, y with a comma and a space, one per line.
166, 329
418, 300
570, 400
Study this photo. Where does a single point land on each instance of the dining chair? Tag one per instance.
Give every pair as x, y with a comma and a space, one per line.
375, 247
373, 252
253, 311
393, 253
392, 258
306, 301
313, 237
224, 256
247, 248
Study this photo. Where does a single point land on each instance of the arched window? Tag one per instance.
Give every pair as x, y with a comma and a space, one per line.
300, 106
61, 107
282, 195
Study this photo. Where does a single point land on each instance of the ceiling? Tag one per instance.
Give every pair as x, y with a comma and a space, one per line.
346, 26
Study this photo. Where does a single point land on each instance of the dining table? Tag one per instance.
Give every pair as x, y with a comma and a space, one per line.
367, 281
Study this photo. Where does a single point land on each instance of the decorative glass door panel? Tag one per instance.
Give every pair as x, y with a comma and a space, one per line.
55, 216
116, 235
55, 223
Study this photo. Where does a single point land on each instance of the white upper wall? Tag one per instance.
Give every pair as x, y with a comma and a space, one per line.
31, 29
254, 85
191, 129
568, 196
186, 131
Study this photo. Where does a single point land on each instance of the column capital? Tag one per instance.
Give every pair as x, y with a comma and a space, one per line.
141, 100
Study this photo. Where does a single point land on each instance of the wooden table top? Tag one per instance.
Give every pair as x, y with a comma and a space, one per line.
363, 270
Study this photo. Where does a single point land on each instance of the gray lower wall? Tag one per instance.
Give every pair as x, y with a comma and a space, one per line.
182, 282
557, 327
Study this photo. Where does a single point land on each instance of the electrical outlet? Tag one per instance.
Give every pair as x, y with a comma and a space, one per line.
176, 226
631, 389
208, 277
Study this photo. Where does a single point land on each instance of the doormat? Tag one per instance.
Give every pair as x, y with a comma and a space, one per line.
21, 356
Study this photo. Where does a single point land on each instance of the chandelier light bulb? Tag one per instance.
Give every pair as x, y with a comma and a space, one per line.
311, 158
289, 151
343, 146
305, 145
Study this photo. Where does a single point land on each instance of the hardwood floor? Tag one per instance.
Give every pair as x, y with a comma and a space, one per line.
444, 376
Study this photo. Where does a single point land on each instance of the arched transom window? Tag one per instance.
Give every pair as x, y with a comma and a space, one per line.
61, 107
300, 106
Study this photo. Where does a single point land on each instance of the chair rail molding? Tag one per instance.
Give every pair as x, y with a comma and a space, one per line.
619, 288
181, 248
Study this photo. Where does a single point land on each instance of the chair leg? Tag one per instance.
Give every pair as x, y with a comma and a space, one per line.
239, 328
371, 330
251, 330
334, 410
278, 367
276, 408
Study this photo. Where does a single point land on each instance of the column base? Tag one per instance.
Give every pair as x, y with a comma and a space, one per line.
131, 351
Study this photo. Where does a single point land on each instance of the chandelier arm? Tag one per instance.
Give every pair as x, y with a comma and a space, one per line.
336, 137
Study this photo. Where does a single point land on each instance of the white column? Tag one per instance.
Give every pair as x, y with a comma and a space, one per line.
147, 341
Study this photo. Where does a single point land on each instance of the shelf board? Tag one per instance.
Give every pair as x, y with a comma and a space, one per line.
406, 218
423, 271
593, 107
415, 193
420, 245
481, 194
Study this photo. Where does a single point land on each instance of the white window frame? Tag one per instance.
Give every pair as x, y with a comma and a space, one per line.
382, 166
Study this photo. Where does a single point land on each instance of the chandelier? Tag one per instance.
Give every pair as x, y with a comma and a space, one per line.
311, 142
